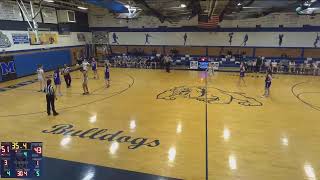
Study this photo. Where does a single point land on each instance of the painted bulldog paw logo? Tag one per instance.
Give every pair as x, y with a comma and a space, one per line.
215, 95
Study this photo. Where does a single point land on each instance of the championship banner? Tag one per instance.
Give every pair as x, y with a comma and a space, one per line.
36, 9
46, 38
100, 37
49, 15
194, 65
8, 68
9, 10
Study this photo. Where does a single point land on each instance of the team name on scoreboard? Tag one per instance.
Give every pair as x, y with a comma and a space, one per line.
21, 159
103, 135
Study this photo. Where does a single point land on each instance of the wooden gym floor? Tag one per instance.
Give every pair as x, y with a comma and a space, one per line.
152, 125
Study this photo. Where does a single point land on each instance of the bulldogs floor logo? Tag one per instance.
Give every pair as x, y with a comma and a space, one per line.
106, 135
215, 95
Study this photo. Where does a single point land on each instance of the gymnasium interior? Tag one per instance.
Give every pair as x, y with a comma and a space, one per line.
160, 89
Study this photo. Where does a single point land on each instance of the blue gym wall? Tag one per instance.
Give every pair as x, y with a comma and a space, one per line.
26, 64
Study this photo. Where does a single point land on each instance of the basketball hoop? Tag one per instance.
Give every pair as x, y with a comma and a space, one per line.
34, 36
42, 36
31, 19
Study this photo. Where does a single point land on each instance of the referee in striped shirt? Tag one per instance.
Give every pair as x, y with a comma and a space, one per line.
51, 97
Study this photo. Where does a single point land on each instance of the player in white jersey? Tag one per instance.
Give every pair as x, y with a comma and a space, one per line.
85, 77
210, 69
41, 78
315, 67
85, 65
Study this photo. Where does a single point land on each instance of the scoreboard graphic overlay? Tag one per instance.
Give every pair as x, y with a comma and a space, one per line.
21, 159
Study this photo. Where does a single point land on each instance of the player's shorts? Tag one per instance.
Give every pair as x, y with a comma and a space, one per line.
85, 80
268, 84
40, 78
107, 76
241, 74
57, 82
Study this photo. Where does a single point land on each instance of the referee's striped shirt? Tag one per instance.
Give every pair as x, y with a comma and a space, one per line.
50, 90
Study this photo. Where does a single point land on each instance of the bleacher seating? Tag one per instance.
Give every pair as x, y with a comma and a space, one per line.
278, 65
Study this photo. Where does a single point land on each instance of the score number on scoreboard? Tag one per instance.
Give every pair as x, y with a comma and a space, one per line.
21, 159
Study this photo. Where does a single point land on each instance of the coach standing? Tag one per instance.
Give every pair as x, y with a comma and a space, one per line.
51, 97
66, 75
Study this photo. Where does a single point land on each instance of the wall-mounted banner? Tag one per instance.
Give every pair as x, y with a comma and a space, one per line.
20, 38
203, 65
81, 37
215, 65
9, 10
35, 9
49, 15
4, 41
100, 37
8, 68
194, 65
45, 38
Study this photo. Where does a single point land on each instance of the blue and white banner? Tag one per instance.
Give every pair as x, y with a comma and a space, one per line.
203, 65
20, 38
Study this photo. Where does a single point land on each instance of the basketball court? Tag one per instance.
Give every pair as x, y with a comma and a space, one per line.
153, 125
202, 121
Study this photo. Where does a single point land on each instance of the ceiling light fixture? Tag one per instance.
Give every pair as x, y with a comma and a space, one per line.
49, 1
183, 5
307, 11
308, 3
82, 8
251, 7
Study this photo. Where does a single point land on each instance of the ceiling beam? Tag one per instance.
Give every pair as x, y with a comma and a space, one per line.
217, 7
153, 11
60, 4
